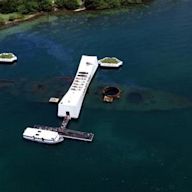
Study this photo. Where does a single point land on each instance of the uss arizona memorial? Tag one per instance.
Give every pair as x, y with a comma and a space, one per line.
69, 107
70, 104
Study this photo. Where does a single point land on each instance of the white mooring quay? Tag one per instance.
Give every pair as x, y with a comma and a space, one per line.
69, 108
7, 58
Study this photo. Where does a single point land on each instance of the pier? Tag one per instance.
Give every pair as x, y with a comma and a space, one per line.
68, 133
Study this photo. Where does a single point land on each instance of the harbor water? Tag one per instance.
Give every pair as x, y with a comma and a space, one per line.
142, 141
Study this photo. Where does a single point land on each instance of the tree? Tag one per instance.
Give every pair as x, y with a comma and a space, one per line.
113, 3
8, 6
72, 4
45, 5
128, 2
68, 4
60, 3
28, 7
95, 4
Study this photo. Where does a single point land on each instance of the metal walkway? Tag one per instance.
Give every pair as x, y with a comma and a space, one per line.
65, 122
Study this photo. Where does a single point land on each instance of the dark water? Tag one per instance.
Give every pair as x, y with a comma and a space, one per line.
148, 151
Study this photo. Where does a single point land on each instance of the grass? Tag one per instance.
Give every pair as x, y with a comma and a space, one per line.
11, 16
6, 56
111, 60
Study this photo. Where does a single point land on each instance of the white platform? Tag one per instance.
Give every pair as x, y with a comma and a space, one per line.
113, 65
72, 101
53, 100
8, 60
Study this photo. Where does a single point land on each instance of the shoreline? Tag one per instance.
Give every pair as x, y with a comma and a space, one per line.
30, 17
36, 15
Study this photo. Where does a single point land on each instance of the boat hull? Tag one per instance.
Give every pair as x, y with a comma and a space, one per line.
42, 136
61, 139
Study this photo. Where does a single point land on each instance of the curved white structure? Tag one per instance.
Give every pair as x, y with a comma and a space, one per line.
118, 63
70, 104
5, 58
42, 136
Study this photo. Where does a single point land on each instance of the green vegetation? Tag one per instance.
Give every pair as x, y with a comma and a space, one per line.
6, 56
11, 10
10, 17
32, 6
2, 21
111, 60
68, 4
6, 17
106, 4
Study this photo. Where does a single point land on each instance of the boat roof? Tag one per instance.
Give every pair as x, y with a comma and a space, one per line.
40, 133
84, 72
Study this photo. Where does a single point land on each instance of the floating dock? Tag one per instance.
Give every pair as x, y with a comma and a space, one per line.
68, 133
54, 100
7, 58
111, 62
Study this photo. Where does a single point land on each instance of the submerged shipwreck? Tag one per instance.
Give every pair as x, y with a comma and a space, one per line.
110, 94
132, 98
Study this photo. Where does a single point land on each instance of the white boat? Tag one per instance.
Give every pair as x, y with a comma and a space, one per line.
7, 58
42, 136
70, 104
110, 62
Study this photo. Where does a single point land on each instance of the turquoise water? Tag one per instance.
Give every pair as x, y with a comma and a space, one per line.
147, 149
